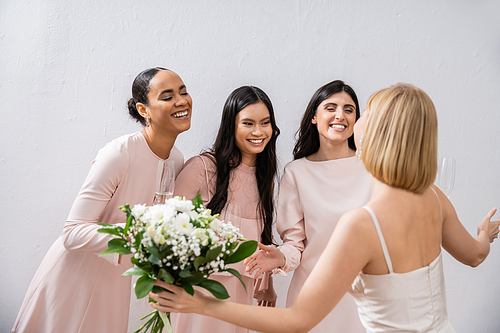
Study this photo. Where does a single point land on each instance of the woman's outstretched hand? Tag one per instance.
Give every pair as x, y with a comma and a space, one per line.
176, 299
490, 227
264, 260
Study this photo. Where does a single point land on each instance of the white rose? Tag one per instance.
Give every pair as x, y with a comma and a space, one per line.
138, 210
180, 205
216, 225
193, 215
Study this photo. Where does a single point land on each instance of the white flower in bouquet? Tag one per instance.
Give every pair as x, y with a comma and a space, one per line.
216, 225
180, 205
138, 210
182, 223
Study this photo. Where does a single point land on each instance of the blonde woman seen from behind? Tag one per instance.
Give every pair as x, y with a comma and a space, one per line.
386, 254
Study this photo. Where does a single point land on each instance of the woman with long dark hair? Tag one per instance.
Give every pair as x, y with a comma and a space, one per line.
323, 182
75, 290
240, 168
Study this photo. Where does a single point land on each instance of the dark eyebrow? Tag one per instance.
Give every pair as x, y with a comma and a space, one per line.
248, 119
335, 104
167, 91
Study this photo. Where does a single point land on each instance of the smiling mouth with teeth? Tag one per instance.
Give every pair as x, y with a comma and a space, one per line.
338, 126
180, 114
256, 141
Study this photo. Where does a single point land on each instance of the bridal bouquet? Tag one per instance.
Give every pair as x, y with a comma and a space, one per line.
178, 242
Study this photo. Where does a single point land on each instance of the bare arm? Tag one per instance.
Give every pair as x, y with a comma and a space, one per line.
458, 242
337, 267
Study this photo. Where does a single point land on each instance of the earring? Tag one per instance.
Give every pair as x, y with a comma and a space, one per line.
147, 122
360, 144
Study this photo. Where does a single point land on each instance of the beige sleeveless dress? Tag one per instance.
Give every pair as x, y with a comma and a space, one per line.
402, 302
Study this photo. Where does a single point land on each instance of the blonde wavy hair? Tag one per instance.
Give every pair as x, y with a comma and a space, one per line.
400, 141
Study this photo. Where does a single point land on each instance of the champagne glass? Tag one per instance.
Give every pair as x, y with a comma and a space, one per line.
232, 213
446, 175
165, 181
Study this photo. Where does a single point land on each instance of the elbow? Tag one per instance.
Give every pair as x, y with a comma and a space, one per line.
66, 239
301, 329
477, 260
299, 322
480, 256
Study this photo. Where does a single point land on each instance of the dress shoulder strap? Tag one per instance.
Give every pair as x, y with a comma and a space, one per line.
381, 237
439, 202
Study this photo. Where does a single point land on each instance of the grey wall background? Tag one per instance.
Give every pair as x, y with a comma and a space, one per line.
66, 70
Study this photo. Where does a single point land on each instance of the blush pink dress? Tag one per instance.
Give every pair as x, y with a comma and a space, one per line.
198, 177
74, 290
312, 198
412, 302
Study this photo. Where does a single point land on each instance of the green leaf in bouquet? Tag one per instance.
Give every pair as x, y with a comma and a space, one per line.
198, 202
143, 286
144, 265
187, 287
130, 218
111, 231
245, 250
107, 224
215, 287
154, 259
199, 261
153, 250
213, 253
237, 274
185, 274
138, 239
116, 245
164, 275
194, 278
191, 277
135, 271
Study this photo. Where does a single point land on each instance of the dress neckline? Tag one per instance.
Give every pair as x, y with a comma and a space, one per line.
430, 266
246, 168
350, 158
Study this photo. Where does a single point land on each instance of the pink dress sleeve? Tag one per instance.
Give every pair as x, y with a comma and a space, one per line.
80, 230
290, 221
193, 179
